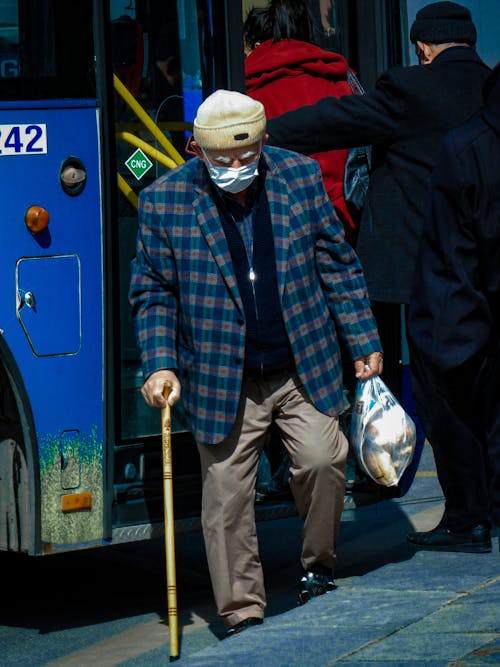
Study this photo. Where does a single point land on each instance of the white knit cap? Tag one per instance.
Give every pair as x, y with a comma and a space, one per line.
228, 119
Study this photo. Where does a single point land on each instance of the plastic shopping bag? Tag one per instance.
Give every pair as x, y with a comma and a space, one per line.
383, 436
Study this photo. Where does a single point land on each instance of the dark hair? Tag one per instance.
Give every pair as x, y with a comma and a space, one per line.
257, 27
291, 19
280, 19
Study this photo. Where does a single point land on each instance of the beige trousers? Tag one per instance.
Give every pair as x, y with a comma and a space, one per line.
318, 451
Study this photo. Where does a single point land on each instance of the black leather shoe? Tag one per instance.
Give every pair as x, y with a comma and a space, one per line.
314, 583
475, 539
243, 625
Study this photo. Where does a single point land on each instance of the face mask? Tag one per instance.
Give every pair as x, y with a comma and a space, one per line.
233, 179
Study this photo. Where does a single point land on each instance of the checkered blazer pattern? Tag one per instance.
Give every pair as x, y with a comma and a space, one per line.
186, 305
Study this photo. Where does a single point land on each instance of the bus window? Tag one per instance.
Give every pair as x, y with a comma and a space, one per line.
43, 68
164, 60
9, 41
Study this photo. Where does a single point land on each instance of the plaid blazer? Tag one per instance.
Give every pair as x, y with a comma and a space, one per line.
187, 309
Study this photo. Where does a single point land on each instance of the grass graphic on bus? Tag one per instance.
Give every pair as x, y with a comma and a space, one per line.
85, 455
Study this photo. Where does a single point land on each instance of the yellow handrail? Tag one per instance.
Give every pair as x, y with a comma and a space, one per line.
146, 120
128, 192
147, 148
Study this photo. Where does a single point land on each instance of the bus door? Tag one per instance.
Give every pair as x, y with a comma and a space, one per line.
167, 56
51, 307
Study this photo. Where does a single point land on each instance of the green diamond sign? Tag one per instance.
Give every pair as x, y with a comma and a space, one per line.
139, 164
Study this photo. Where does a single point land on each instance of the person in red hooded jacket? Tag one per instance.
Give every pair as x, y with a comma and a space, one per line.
285, 69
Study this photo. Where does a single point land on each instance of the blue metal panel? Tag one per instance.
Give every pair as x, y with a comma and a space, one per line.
65, 381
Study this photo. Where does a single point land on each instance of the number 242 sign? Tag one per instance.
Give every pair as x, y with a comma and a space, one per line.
23, 139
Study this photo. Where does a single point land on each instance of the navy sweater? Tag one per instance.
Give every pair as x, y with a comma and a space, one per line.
267, 348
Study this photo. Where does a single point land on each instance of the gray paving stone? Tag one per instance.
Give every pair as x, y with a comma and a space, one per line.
489, 654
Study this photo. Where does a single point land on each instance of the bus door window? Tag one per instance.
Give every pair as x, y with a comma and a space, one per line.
128, 52
162, 53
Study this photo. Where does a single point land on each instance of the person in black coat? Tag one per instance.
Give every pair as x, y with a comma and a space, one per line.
454, 327
404, 117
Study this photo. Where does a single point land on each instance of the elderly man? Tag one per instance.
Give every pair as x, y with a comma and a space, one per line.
242, 286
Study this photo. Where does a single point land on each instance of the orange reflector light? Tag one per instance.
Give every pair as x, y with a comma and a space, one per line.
36, 219
73, 502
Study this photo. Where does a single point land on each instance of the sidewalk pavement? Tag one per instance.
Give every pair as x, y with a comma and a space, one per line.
394, 605
440, 611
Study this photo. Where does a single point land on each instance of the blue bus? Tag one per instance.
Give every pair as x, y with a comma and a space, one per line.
96, 101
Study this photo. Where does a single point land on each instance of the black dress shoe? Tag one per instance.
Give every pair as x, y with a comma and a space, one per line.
316, 582
243, 625
475, 539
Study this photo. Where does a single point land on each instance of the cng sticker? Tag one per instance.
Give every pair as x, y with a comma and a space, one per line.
139, 164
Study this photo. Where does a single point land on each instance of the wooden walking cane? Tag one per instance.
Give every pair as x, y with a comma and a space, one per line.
168, 505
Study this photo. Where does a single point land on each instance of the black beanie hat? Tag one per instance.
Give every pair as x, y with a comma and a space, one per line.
442, 22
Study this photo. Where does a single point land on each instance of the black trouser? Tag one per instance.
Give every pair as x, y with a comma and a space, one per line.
450, 408
493, 436
478, 381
